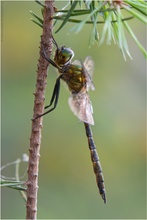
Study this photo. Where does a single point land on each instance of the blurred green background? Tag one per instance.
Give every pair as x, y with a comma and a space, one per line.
67, 187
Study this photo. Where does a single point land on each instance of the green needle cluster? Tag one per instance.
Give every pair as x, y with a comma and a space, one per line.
113, 15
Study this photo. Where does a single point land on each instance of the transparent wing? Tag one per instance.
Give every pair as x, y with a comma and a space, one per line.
89, 65
88, 71
76, 62
81, 106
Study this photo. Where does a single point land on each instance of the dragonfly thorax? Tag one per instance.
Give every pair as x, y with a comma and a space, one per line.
63, 56
74, 77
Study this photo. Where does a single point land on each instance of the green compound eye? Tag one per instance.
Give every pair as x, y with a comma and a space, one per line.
67, 54
63, 56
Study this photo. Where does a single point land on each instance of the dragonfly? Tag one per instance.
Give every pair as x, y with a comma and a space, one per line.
78, 77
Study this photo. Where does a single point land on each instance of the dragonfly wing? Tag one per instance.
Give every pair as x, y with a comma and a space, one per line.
88, 67
81, 106
76, 62
88, 64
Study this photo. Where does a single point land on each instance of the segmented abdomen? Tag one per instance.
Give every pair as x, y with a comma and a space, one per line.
96, 163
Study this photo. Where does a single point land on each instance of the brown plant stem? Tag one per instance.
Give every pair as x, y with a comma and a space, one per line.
35, 138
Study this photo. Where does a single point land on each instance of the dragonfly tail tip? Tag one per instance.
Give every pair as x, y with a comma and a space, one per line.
104, 198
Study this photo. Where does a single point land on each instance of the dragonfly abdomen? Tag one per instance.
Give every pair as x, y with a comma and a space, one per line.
96, 163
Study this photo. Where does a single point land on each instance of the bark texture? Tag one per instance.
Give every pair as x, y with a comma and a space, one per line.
35, 138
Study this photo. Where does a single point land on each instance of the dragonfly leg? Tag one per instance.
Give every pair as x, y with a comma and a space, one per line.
48, 59
54, 98
55, 94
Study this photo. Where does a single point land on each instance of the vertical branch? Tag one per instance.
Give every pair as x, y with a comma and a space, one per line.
35, 138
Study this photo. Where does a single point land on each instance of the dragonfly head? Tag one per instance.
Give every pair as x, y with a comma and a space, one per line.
63, 56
